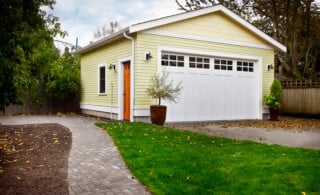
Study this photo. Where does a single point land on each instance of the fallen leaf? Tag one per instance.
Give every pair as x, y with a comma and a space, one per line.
55, 140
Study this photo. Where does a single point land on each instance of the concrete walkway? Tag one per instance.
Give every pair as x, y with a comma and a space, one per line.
95, 166
309, 138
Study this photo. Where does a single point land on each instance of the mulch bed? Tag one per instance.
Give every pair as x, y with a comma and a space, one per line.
34, 159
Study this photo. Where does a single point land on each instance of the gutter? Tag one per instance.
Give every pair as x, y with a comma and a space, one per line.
132, 96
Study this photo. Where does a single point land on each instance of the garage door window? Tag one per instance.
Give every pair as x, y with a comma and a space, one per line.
199, 62
243, 66
172, 60
223, 64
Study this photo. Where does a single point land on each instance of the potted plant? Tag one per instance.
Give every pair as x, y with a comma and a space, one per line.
161, 89
273, 99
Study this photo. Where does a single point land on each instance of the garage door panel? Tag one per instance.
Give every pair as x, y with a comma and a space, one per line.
239, 97
227, 96
251, 99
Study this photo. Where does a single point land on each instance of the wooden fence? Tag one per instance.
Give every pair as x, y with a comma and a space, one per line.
300, 97
71, 104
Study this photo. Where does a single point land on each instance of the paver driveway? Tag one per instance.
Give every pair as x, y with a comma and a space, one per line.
95, 166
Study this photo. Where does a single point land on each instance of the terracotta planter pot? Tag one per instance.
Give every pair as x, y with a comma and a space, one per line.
158, 114
274, 114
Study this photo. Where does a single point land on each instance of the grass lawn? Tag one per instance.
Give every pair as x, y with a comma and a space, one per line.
170, 161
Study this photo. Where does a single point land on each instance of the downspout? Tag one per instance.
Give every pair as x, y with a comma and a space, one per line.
131, 75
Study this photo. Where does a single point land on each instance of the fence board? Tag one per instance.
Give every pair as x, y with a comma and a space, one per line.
52, 106
301, 100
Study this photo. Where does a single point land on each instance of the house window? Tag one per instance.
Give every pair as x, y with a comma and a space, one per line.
243, 66
172, 60
102, 79
223, 64
199, 62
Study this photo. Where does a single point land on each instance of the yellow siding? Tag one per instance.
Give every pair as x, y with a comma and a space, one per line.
109, 54
145, 69
214, 25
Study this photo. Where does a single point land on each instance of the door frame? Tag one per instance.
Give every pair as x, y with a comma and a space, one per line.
121, 61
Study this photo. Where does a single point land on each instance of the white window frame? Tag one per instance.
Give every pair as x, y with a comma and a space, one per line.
101, 65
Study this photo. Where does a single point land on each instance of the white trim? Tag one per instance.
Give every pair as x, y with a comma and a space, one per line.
103, 41
120, 84
207, 39
141, 112
259, 103
132, 75
100, 65
100, 108
188, 15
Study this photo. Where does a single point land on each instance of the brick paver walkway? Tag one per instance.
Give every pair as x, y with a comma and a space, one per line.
95, 166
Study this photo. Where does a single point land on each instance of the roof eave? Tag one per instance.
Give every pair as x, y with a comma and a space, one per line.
103, 41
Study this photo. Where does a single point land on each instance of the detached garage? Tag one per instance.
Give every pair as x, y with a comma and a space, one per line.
221, 60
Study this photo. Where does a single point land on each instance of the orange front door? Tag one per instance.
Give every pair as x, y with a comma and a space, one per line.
126, 93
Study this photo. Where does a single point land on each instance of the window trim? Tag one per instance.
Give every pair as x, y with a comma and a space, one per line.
102, 65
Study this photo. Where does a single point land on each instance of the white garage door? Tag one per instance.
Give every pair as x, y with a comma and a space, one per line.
214, 88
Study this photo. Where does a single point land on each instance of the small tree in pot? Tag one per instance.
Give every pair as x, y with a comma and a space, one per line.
273, 99
161, 88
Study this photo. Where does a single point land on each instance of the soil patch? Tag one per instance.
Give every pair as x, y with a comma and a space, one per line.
34, 159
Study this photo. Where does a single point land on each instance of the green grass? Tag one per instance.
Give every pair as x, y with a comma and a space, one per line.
170, 161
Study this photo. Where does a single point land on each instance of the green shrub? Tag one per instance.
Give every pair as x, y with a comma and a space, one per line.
273, 99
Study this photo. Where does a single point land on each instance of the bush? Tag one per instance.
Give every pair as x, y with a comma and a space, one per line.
273, 99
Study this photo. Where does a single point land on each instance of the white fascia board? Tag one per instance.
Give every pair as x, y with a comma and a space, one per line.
102, 41
171, 19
